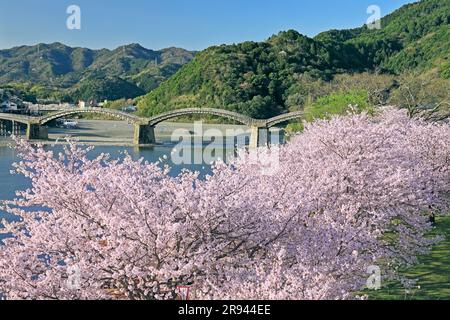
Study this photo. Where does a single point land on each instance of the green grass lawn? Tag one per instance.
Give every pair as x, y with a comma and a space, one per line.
433, 273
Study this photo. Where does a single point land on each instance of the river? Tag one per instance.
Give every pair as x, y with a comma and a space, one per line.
114, 137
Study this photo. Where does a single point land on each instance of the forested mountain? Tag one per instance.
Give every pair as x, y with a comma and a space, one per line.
415, 35
263, 79
57, 67
408, 56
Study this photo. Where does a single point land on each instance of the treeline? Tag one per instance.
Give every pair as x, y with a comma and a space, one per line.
427, 93
91, 89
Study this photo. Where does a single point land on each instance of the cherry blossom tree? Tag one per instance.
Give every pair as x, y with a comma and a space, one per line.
346, 194
356, 191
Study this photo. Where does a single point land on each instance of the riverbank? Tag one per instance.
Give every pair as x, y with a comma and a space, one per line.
120, 133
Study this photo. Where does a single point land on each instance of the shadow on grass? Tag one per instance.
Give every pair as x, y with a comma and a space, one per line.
432, 273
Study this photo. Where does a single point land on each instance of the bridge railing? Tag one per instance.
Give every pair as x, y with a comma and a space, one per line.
67, 112
197, 111
152, 121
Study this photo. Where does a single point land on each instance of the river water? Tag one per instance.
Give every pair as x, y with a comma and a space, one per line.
115, 133
181, 145
9, 183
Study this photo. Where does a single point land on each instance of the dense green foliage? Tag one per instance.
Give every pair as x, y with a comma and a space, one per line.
21, 91
100, 89
337, 103
403, 42
268, 78
250, 77
445, 70
406, 62
58, 69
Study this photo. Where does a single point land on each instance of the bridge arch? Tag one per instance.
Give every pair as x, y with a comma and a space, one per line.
144, 127
113, 113
272, 122
17, 118
245, 120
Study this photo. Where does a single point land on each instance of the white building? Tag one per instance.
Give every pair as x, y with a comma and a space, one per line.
9, 105
82, 104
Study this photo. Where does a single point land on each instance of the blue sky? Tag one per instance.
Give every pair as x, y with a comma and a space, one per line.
194, 24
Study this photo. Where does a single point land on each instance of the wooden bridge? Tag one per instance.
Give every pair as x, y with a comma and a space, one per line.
144, 128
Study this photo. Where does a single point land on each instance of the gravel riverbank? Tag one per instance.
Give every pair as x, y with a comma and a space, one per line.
120, 133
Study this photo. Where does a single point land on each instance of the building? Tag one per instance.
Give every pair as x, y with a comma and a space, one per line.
9, 105
87, 104
82, 104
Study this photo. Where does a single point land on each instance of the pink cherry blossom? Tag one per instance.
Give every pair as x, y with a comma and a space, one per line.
347, 193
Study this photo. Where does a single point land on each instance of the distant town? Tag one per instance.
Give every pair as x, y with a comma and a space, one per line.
13, 104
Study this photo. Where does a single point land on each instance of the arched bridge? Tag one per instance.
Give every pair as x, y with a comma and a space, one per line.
245, 120
272, 122
207, 111
144, 127
132, 119
18, 118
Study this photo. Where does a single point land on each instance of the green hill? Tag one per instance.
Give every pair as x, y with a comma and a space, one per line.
57, 67
403, 40
109, 88
250, 77
262, 79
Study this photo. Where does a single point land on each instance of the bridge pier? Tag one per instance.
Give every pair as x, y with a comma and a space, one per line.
263, 137
144, 134
144, 128
260, 137
3, 129
36, 132
15, 128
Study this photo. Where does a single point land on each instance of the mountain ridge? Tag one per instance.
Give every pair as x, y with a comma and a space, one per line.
261, 79
59, 67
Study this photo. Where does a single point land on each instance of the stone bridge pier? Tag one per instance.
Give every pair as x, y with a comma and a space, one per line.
36, 131
144, 133
259, 137
3, 128
144, 128
263, 137
15, 128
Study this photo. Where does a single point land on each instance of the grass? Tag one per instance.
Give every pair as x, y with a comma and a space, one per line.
432, 273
